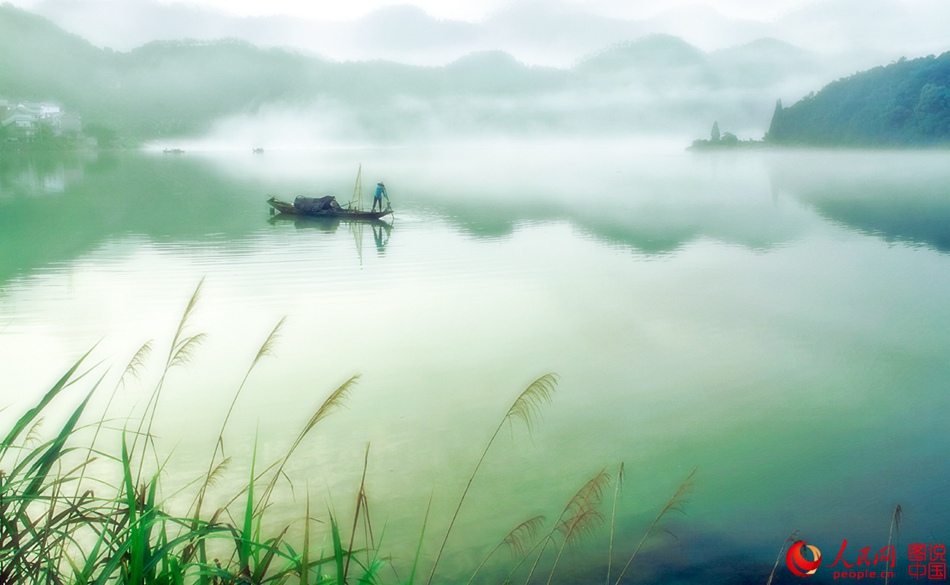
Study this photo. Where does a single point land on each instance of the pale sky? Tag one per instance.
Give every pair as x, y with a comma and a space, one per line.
539, 32
475, 10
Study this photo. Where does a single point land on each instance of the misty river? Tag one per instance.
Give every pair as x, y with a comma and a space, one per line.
778, 320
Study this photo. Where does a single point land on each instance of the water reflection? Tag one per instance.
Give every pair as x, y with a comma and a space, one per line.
652, 206
381, 235
109, 197
896, 196
381, 230
34, 174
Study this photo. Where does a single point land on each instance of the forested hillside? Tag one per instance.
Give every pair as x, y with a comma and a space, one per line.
906, 103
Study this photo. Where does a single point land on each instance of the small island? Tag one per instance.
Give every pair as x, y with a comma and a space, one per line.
724, 141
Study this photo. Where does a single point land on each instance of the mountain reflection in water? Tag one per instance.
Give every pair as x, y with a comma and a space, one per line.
70, 204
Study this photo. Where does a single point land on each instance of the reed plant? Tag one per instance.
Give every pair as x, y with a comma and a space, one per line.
75, 512
893, 533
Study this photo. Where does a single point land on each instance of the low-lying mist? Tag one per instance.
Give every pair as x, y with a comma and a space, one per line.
673, 117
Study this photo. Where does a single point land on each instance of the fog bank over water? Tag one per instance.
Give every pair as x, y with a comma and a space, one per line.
333, 126
658, 86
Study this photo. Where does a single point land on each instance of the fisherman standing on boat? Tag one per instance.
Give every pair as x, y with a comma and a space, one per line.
378, 197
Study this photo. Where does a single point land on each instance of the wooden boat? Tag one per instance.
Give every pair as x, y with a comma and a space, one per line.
324, 224
341, 213
328, 207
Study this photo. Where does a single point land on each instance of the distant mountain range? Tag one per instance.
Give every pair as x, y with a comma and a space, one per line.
856, 33
656, 83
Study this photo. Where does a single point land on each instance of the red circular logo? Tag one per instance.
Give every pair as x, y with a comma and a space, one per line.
798, 564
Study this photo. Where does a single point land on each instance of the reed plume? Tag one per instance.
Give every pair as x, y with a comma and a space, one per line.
132, 370
526, 408
523, 533
581, 524
893, 533
180, 352
266, 349
578, 518
792, 537
515, 540
677, 503
137, 363
333, 402
618, 491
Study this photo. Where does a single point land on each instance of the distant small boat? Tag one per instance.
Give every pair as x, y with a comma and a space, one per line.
173, 151
258, 150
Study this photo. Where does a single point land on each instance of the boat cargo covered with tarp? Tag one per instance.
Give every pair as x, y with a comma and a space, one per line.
316, 204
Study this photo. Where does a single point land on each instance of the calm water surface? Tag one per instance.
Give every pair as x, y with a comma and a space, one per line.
778, 320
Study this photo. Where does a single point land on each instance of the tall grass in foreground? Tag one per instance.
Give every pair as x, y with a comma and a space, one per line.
62, 524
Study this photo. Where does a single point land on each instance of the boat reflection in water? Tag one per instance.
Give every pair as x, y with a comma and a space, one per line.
330, 225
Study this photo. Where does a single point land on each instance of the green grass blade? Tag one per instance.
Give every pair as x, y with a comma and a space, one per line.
305, 559
45, 463
338, 552
129, 492
199, 534
28, 418
245, 549
422, 535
